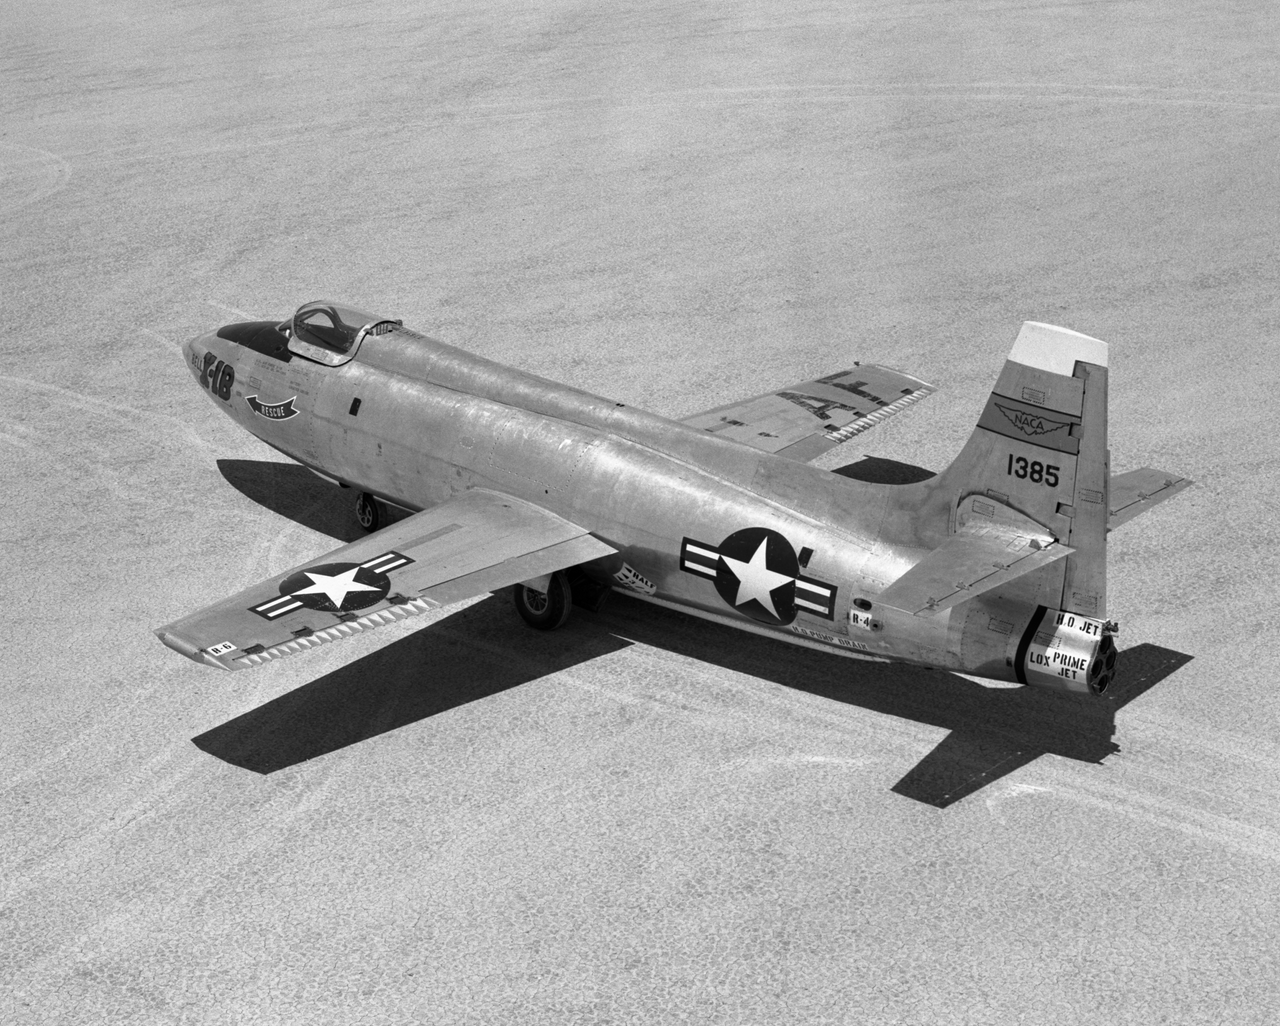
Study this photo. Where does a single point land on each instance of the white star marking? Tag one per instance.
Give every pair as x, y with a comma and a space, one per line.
756, 580
334, 588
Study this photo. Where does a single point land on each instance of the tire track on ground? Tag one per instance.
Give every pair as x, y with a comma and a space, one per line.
29, 175
128, 414
286, 136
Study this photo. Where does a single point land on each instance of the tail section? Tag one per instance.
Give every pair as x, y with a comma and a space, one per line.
1040, 451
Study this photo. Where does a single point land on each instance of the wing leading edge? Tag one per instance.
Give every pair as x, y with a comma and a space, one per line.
473, 543
803, 421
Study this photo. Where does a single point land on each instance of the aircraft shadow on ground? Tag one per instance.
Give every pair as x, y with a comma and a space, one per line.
483, 650
993, 731
475, 653
294, 492
878, 470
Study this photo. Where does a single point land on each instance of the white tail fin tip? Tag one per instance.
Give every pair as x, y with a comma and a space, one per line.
1056, 350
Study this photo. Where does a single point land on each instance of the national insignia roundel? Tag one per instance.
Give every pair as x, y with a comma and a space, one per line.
337, 587
756, 571
757, 575
334, 587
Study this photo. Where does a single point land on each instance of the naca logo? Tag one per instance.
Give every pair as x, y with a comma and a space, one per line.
1031, 423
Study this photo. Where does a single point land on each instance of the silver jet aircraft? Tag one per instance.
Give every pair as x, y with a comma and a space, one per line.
995, 567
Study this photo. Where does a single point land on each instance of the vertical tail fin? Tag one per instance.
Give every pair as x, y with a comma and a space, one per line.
1040, 448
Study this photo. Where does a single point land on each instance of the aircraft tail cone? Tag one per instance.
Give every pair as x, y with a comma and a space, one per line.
1064, 651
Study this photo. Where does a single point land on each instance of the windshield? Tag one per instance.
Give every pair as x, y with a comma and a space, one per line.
328, 325
330, 333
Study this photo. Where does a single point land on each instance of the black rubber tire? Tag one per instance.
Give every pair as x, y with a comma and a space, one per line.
549, 611
369, 513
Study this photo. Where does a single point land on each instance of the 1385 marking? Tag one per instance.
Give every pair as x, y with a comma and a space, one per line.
1033, 471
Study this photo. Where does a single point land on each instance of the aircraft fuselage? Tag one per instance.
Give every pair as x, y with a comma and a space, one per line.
701, 523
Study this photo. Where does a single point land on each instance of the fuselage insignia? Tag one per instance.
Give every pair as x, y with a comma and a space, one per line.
756, 572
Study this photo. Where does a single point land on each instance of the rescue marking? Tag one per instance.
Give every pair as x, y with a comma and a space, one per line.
272, 411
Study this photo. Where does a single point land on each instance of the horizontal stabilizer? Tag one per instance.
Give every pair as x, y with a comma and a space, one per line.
1136, 491
803, 421
966, 565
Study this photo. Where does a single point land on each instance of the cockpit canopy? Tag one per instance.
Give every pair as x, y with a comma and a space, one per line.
331, 334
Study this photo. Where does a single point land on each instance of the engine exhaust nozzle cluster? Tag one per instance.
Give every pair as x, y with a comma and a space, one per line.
1068, 652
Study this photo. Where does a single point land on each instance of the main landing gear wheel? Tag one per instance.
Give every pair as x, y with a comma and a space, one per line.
368, 512
549, 611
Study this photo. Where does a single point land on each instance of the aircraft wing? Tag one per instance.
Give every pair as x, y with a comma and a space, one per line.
966, 565
1136, 491
475, 542
803, 421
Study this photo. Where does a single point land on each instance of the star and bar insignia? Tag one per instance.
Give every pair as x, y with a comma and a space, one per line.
334, 587
756, 571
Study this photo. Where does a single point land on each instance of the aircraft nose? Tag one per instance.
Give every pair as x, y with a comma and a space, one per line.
189, 352
194, 352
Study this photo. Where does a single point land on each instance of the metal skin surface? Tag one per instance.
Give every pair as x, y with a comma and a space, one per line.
432, 422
